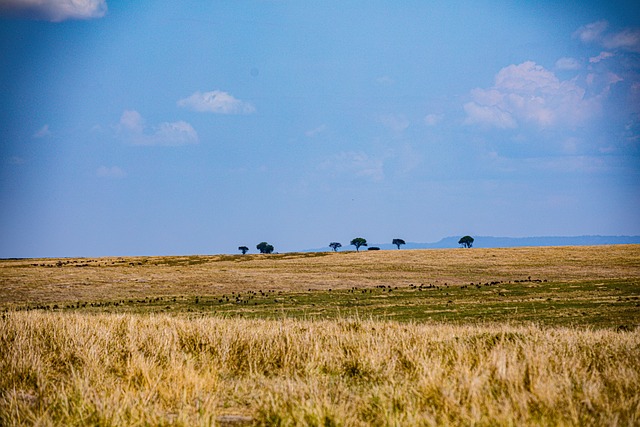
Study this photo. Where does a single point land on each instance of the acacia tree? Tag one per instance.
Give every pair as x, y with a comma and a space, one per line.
335, 246
466, 241
357, 242
264, 248
398, 242
243, 249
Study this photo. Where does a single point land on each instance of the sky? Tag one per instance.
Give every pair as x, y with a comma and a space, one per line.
195, 127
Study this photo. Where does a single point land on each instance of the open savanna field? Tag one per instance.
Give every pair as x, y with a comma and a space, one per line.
518, 336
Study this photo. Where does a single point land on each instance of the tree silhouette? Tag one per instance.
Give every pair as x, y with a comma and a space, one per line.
335, 246
243, 249
398, 242
466, 241
264, 248
357, 242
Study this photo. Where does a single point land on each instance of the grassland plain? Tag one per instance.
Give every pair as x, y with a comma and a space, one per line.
519, 336
590, 286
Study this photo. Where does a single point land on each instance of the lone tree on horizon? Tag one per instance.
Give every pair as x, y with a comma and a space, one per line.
357, 242
398, 242
466, 241
335, 246
243, 249
264, 248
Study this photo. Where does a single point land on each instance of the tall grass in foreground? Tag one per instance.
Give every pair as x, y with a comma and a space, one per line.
81, 369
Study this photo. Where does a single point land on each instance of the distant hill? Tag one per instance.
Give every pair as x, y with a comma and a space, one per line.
506, 242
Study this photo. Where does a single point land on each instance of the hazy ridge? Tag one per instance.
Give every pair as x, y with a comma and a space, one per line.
505, 242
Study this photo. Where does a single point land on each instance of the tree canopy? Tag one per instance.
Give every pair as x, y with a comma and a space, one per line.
264, 248
243, 249
357, 242
335, 246
398, 242
466, 241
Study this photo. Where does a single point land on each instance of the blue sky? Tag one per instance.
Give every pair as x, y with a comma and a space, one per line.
193, 127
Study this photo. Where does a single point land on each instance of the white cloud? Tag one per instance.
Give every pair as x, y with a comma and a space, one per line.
591, 32
354, 163
568, 64
395, 122
602, 82
133, 127
612, 78
628, 39
54, 10
528, 93
44, 131
175, 133
526, 77
216, 101
316, 131
433, 119
110, 172
132, 121
600, 57
488, 115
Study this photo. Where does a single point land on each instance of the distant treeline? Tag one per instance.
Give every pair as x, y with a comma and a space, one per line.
510, 242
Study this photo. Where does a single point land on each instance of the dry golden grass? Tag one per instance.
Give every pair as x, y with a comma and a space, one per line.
114, 369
